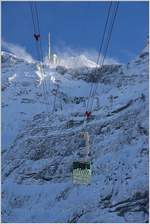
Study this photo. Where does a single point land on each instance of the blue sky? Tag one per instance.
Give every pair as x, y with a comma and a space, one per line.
77, 25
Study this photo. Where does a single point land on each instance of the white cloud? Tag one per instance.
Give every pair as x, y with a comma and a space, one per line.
17, 50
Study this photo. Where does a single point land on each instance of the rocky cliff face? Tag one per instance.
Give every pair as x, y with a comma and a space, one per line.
39, 147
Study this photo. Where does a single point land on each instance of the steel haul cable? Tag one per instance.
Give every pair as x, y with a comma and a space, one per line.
53, 108
40, 45
38, 52
110, 28
100, 51
54, 103
106, 48
36, 30
40, 48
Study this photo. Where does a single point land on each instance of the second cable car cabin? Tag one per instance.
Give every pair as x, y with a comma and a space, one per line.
82, 167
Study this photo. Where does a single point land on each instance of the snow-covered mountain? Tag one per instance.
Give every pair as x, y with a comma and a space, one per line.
77, 62
39, 144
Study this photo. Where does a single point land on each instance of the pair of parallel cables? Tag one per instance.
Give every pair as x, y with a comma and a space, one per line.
37, 36
107, 33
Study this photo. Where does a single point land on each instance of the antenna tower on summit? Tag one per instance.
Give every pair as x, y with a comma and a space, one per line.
49, 47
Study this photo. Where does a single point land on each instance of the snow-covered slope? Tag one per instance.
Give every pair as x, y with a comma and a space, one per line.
38, 148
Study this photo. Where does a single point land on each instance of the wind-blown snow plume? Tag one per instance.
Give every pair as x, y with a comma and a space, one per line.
74, 58
19, 51
67, 57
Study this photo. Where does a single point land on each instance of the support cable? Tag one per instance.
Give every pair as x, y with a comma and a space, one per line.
40, 49
106, 49
99, 55
36, 31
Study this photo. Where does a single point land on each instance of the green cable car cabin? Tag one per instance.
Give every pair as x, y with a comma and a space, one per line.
81, 172
82, 167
